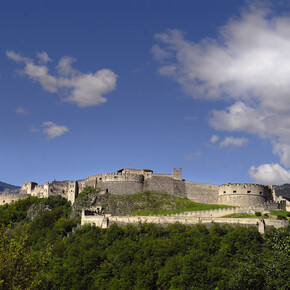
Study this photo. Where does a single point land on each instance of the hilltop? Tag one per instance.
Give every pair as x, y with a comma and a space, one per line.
8, 188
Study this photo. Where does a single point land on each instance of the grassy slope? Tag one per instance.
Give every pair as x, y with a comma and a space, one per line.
152, 203
272, 214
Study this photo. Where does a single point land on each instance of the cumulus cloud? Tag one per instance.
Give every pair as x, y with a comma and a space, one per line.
52, 130
82, 89
270, 174
233, 142
43, 57
21, 111
247, 65
214, 139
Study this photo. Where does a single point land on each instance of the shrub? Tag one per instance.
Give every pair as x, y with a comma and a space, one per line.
258, 213
281, 217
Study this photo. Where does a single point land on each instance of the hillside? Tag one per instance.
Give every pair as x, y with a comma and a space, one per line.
153, 203
8, 188
142, 203
283, 190
41, 248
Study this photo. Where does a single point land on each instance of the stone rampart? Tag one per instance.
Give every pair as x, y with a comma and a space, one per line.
165, 184
202, 192
59, 188
164, 220
9, 198
121, 187
244, 194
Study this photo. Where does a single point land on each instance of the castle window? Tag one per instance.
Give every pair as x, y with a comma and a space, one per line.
224, 191
248, 191
260, 192
234, 191
3, 201
12, 200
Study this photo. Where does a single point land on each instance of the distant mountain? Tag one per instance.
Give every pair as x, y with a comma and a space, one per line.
8, 188
283, 190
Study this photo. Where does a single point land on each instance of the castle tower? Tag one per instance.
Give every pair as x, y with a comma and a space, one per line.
177, 173
72, 191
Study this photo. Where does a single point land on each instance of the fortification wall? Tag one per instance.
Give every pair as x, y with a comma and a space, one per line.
244, 194
9, 198
164, 220
202, 192
121, 187
117, 176
97, 220
58, 188
165, 184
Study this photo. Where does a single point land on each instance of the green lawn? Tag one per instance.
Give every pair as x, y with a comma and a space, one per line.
153, 203
244, 215
280, 212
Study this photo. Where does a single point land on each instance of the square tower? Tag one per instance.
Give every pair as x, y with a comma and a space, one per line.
177, 173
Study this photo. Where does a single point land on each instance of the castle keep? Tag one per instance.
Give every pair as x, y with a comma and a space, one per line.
128, 181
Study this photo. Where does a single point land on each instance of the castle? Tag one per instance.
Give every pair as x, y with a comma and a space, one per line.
128, 181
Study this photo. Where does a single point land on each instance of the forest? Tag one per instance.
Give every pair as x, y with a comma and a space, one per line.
41, 248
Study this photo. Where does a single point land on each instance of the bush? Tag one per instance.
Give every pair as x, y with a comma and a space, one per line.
281, 217
258, 213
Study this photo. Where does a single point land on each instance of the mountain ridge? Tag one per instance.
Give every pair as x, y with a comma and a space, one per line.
8, 188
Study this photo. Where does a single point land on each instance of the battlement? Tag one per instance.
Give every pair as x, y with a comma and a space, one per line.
245, 194
130, 180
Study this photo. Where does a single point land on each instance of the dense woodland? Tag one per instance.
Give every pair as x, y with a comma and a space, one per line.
36, 253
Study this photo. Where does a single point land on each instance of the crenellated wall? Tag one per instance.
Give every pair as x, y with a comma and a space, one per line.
244, 194
129, 180
164, 220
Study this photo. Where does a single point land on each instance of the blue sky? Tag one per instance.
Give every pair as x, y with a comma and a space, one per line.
95, 86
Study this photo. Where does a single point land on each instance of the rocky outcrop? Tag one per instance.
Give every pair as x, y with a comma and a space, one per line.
37, 209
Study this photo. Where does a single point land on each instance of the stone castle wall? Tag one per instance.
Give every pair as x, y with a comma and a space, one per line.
11, 197
121, 187
244, 194
165, 184
201, 192
128, 181
165, 220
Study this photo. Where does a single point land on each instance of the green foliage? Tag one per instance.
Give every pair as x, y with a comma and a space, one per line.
247, 215
281, 217
279, 213
38, 254
21, 267
17, 211
240, 215
86, 191
151, 203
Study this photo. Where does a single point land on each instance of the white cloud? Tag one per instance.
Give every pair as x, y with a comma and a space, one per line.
247, 65
52, 130
233, 142
214, 139
21, 111
270, 174
43, 57
82, 89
